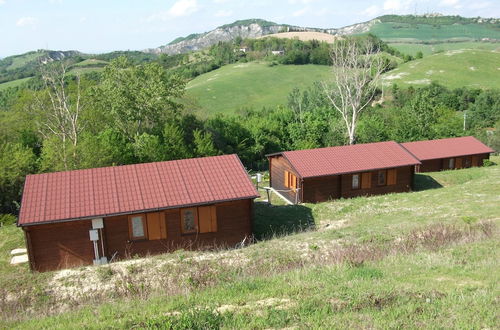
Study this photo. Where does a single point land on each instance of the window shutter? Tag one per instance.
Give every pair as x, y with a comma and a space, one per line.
213, 211
458, 163
155, 230
287, 175
392, 176
366, 180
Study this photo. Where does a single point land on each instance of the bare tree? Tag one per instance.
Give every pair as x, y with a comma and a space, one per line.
59, 110
356, 68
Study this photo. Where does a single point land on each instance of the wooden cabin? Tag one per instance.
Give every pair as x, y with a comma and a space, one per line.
448, 154
317, 175
92, 216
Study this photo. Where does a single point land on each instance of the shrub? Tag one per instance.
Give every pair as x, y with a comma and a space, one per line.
488, 162
7, 219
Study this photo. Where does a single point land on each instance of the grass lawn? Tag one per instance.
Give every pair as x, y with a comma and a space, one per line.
249, 85
422, 259
13, 83
454, 68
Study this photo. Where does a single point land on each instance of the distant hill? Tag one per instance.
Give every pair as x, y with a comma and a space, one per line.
249, 85
453, 68
432, 28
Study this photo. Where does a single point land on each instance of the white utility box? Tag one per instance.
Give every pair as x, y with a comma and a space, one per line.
97, 223
94, 235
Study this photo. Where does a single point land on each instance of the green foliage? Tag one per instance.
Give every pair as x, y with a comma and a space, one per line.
16, 161
204, 145
7, 219
148, 148
196, 319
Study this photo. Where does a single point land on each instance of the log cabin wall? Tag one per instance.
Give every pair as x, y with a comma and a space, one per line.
441, 164
234, 223
321, 189
404, 183
67, 244
59, 245
277, 167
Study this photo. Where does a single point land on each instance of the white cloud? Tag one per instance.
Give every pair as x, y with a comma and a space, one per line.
392, 5
2, 2
183, 8
371, 11
448, 2
26, 21
480, 5
221, 1
224, 13
83, 19
304, 2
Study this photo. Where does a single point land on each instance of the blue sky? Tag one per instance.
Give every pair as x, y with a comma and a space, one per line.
96, 26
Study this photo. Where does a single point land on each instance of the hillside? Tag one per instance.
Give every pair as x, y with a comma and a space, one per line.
427, 257
249, 85
454, 68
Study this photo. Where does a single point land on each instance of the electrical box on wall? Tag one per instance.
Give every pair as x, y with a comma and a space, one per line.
94, 235
97, 223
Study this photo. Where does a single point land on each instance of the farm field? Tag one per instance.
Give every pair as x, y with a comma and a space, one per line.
426, 257
13, 83
249, 85
412, 49
454, 68
401, 32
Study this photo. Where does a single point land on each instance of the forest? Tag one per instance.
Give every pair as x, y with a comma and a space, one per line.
132, 112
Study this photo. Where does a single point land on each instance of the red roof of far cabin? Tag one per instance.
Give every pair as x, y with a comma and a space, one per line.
106, 191
348, 159
444, 148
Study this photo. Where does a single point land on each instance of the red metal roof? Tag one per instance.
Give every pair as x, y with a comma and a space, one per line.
106, 191
444, 148
349, 159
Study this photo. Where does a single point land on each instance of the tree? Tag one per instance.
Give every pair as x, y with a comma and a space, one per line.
58, 110
204, 146
356, 68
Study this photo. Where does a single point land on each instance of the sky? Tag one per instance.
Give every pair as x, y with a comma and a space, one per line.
97, 26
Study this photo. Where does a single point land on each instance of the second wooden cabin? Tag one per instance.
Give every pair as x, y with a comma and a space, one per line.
317, 175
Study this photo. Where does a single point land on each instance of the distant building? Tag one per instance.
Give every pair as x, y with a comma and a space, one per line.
278, 52
447, 154
318, 175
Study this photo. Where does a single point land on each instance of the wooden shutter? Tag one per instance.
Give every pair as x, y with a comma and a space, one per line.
287, 176
156, 226
207, 216
366, 180
458, 163
293, 181
475, 161
392, 176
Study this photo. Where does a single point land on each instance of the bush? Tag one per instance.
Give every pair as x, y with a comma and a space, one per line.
7, 219
488, 162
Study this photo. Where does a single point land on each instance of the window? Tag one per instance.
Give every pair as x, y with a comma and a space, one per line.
467, 162
290, 180
451, 163
381, 178
392, 175
208, 219
366, 180
189, 220
355, 181
136, 227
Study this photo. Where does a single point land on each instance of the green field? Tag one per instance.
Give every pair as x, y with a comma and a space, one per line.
412, 49
404, 32
422, 259
249, 85
13, 83
455, 68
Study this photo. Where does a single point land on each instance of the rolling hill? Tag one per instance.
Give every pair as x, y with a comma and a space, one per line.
249, 85
454, 68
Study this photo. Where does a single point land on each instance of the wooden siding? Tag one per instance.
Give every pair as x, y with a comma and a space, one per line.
325, 188
404, 183
59, 245
277, 167
63, 245
441, 164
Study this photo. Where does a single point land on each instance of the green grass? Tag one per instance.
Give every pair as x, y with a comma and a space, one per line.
413, 48
22, 60
421, 259
403, 32
91, 62
14, 83
456, 68
249, 85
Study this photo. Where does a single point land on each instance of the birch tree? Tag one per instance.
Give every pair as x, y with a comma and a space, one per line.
356, 69
58, 110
